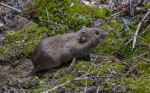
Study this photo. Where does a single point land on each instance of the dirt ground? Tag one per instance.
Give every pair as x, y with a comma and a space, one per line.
19, 68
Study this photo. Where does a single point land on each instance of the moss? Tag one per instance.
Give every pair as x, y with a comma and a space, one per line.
83, 65
148, 6
21, 43
119, 68
140, 85
15, 70
60, 12
146, 36
56, 17
143, 68
112, 41
83, 82
67, 78
117, 41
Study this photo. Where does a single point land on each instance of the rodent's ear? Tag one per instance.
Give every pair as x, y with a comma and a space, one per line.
83, 37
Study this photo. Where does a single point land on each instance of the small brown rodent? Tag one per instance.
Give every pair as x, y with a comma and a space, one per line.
53, 51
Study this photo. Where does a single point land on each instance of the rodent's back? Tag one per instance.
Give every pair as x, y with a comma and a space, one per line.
53, 51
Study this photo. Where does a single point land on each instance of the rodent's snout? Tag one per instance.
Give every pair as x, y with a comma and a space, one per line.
104, 34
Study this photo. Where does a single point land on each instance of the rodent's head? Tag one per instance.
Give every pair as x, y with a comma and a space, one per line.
92, 35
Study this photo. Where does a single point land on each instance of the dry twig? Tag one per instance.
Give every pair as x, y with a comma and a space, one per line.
138, 29
86, 76
76, 79
146, 28
10, 7
71, 66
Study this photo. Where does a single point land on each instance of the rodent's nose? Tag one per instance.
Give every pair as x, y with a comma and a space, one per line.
105, 33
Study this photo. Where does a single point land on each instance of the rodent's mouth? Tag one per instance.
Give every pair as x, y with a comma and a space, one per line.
103, 36
101, 40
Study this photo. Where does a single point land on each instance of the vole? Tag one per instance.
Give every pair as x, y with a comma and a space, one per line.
53, 51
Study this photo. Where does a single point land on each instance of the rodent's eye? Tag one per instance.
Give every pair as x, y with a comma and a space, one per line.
96, 32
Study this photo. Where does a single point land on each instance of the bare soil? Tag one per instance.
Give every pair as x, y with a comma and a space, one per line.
11, 73
17, 70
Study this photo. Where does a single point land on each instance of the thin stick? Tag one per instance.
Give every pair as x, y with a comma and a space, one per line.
78, 78
138, 29
129, 41
123, 61
98, 89
86, 76
10, 7
118, 46
115, 14
148, 60
125, 22
71, 66
146, 28
47, 14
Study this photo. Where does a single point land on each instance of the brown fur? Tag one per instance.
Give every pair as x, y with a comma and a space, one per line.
53, 51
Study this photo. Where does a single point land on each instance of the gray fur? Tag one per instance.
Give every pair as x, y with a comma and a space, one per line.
53, 51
